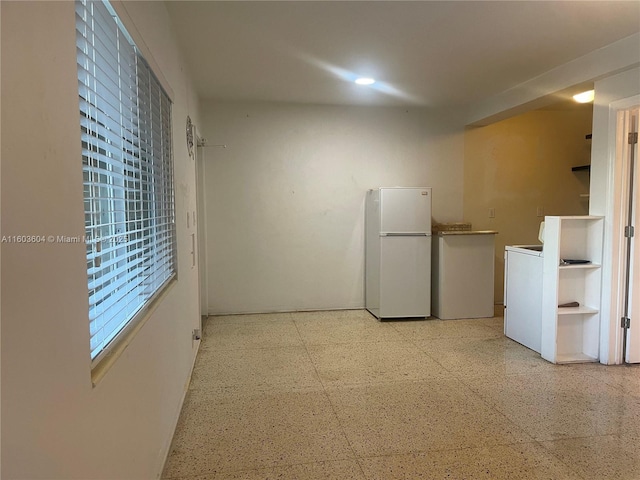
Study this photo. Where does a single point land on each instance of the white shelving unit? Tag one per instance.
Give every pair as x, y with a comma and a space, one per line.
571, 334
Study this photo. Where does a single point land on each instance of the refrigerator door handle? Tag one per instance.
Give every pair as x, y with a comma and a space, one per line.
423, 234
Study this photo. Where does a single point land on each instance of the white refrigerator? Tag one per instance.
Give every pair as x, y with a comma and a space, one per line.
398, 252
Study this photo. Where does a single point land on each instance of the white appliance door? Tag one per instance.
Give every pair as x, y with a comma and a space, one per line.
405, 276
405, 210
523, 299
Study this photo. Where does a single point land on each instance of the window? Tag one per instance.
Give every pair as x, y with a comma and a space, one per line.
127, 163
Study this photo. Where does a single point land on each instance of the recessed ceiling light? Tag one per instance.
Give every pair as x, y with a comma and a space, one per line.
584, 97
365, 81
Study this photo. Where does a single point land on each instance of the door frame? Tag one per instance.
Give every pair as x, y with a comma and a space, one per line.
201, 217
630, 118
614, 296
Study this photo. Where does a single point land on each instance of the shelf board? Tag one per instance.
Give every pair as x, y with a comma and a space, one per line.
581, 310
578, 266
577, 357
581, 168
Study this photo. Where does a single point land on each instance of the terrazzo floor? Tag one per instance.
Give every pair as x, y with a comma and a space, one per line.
341, 395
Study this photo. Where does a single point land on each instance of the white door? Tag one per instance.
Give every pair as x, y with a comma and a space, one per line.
405, 276
633, 355
405, 210
632, 173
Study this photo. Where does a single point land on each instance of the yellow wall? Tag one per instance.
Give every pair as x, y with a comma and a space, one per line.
521, 164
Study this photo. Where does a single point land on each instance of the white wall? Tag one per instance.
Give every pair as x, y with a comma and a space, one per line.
285, 199
604, 200
55, 425
608, 91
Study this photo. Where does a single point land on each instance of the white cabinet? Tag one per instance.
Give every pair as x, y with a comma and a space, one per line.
462, 274
571, 334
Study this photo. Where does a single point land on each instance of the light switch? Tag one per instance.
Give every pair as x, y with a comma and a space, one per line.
492, 213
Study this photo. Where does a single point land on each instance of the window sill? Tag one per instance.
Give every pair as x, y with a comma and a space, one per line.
124, 338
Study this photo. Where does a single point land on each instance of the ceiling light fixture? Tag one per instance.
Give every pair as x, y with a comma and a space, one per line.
365, 81
584, 97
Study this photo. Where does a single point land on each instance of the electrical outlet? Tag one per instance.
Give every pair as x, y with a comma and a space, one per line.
492, 213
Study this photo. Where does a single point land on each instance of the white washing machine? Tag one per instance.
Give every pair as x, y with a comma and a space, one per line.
523, 294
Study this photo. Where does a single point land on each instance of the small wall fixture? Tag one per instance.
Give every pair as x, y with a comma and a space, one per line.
584, 97
365, 81
189, 136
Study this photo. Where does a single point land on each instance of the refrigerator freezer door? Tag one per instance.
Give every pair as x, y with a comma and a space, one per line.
405, 210
405, 276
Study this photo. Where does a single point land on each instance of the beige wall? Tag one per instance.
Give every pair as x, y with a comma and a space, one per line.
521, 164
55, 424
285, 199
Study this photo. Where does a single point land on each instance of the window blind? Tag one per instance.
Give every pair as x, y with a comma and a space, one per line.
125, 120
